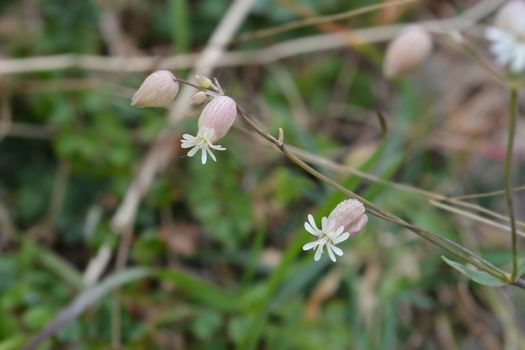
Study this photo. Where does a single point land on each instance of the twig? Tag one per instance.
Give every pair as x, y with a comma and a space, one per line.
273, 53
507, 180
6, 114
472, 216
488, 194
315, 159
313, 21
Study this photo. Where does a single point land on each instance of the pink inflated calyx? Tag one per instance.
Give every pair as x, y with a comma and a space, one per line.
409, 49
158, 90
351, 215
219, 116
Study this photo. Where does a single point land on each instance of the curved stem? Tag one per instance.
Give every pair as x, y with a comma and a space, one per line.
442, 242
507, 181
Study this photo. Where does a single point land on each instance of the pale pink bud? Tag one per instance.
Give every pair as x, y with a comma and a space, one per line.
349, 213
410, 48
511, 17
198, 98
157, 90
218, 115
203, 81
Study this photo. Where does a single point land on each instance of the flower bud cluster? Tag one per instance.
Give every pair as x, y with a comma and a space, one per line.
160, 88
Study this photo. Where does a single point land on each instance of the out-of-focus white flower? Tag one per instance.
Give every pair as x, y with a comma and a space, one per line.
347, 219
410, 48
214, 122
158, 90
507, 36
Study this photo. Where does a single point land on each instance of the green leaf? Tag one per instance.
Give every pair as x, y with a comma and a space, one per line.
477, 276
12, 343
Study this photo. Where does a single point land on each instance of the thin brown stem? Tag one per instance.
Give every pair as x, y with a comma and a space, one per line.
444, 243
507, 179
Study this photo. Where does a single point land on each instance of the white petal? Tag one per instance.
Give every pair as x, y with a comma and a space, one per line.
310, 245
187, 144
343, 237
218, 147
518, 63
312, 222
188, 137
324, 224
310, 229
211, 154
194, 150
337, 250
318, 252
496, 34
330, 252
204, 155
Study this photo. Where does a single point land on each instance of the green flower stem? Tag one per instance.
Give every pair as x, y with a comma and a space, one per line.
507, 181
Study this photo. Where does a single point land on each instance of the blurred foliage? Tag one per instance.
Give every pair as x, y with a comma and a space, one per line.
218, 247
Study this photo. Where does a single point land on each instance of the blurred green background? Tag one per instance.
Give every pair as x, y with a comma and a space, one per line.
215, 259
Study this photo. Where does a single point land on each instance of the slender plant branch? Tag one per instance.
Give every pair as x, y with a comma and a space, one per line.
438, 240
444, 243
488, 194
507, 179
264, 33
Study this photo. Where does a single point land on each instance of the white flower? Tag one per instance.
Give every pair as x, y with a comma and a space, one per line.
507, 48
215, 120
347, 219
507, 36
201, 142
329, 235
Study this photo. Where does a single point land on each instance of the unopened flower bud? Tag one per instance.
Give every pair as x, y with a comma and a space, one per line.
203, 81
199, 98
157, 90
351, 215
214, 122
410, 48
219, 116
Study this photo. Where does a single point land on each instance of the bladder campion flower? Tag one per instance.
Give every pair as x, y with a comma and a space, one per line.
158, 90
410, 48
507, 36
215, 120
347, 219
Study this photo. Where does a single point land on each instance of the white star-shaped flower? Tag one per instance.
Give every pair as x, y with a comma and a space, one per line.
329, 235
508, 48
201, 142
507, 36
